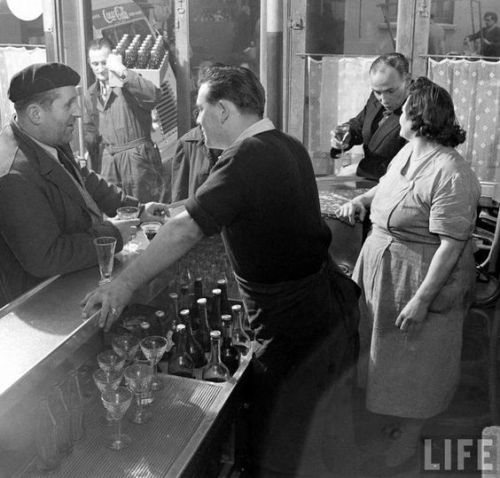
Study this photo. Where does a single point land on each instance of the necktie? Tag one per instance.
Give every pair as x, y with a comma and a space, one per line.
385, 115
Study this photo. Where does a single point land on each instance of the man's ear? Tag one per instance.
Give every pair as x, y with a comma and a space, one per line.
225, 108
34, 113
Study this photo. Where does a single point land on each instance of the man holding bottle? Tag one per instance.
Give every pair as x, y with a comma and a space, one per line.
118, 123
261, 196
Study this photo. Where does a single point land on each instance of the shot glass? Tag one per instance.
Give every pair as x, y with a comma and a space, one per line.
127, 212
105, 247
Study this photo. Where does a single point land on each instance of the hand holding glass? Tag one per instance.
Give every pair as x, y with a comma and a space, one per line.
117, 403
153, 348
139, 378
105, 247
340, 135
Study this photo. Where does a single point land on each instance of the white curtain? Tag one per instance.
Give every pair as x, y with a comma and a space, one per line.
12, 60
475, 89
338, 90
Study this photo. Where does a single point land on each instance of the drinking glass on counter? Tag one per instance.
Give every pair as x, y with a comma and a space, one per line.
107, 381
153, 348
110, 361
105, 247
127, 212
150, 229
139, 378
125, 345
117, 403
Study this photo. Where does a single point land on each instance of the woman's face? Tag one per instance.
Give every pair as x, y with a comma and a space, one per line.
406, 124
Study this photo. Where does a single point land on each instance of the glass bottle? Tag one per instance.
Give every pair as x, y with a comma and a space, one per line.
215, 313
194, 309
225, 307
241, 340
215, 370
228, 352
75, 406
48, 457
180, 362
161, 320
202, 333
60, 411
193, 347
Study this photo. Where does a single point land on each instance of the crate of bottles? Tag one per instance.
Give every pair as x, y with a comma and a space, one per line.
146, 56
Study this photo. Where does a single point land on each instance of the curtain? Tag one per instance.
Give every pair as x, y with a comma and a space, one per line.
475, 89
338, 90
13, 59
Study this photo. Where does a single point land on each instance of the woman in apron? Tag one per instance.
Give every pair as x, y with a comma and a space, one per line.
416, 271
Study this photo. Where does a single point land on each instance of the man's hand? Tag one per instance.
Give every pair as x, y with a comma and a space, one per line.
340, 136
154, 211
115, 65
127, 227
111, 297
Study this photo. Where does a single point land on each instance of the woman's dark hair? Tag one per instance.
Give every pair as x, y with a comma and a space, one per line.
236, 84
432, 114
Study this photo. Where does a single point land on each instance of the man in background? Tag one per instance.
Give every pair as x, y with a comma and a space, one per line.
376, 127
118, 123
50, 208
489, 35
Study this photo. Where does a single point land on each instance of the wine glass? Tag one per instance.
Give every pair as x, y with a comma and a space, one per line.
150, 229
139, 378
125, 345
153, 348
117, 403
110, 361
107, 381
127, 212
341, 132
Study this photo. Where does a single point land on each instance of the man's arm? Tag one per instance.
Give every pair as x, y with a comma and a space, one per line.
174, 239
145, 93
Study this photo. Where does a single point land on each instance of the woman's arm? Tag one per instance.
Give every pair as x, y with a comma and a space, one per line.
357, 206
445, 258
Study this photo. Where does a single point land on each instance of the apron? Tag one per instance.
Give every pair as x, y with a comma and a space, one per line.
305, 339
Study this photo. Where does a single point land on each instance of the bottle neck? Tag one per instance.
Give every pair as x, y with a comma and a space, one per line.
214, 351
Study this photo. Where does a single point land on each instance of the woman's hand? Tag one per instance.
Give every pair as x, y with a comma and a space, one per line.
112, 297
412, 316
352, 210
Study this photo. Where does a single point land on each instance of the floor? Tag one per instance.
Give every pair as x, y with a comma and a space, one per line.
347, 441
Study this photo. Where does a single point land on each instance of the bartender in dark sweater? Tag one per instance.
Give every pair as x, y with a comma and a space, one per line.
261, 196
376, 127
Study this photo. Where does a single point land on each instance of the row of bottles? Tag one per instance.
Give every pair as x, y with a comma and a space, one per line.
60, 422
146, 54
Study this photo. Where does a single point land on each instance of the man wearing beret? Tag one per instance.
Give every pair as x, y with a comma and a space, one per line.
118, 123
50, 208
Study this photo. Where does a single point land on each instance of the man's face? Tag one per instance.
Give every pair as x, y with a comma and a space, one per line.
97, 60
209, 120
389, 87
58, 120
489, 22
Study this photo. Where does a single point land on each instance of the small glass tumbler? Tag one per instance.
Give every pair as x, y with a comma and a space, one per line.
105, 247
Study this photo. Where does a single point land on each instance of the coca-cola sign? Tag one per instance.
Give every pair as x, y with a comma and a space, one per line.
116, 14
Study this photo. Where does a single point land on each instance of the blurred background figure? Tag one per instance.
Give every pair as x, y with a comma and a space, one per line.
436, 38
489, 36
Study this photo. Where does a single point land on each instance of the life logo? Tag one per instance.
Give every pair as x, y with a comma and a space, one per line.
116, 14
454, 456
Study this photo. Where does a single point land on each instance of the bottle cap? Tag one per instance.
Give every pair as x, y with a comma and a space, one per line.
216, 292
184, 312
226, 317
180, 327
145, 325
173, 295
236, 307
215, 334
160, 314
202, 301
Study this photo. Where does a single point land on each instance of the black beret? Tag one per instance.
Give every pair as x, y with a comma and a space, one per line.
41, 77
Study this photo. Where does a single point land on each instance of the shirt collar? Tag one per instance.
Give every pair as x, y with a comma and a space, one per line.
261, 126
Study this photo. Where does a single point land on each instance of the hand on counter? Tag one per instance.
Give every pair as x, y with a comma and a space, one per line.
111, 297
352, 211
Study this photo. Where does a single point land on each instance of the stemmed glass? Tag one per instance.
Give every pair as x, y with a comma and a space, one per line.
125, 345
107, 381
117, 403
139, 378
110, 361
150, 229
341, 133
153, 348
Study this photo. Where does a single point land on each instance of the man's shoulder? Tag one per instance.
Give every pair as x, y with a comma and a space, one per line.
10, 152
